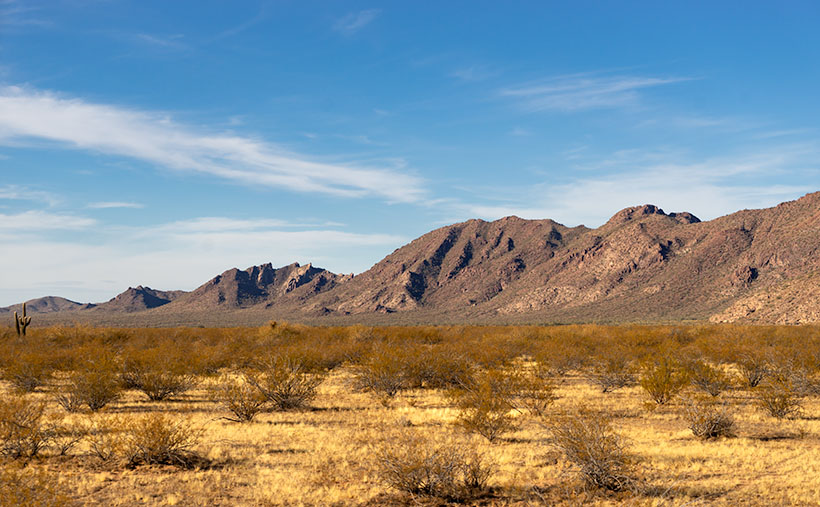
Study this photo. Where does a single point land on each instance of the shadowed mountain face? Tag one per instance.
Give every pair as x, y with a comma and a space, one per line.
259, 285
642, 265
139, 299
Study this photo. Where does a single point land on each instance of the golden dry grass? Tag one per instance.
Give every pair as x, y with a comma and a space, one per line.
324, 455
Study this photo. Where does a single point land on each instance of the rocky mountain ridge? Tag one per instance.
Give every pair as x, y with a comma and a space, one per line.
641, 265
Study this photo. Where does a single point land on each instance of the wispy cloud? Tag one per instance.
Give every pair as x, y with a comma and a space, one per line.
709, 188
355, 21
114, 204
580, 92
33, 115
21, 193
14, 13
36, 221
162, 41
473, 73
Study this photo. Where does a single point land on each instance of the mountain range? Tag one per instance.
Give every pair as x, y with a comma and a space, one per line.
643, 265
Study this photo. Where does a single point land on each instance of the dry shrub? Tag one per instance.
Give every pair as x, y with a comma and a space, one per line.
30, 487
27, 372
752, 368
778, 396
160, 439
534, 389
23, 429
485, 403
561, 358
105, 436
94, 385
434, 368
430, 467
66, 437
662, 379
158, 373
382, 373
596, 452
707, 418
284, 383
708, 378
240, 396
612, 372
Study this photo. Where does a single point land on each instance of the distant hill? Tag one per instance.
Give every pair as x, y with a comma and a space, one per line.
259, 285
137, 299
48, 304
644, 264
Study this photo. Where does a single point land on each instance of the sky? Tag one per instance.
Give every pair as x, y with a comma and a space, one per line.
161, 143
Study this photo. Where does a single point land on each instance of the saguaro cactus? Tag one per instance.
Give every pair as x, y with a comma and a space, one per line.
21, 323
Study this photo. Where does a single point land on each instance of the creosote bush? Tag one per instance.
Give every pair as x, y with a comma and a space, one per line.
708, 378
160, 439
778, 396
612, 372
30, 487
662, 379
159, 373
27, 372
382, 373
94, 384
24, 431
284, 382
425, 466
597, 453
708, 418
240, 396
486, 402
752, 368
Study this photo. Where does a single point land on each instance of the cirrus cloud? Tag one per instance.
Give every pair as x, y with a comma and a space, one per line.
27, 115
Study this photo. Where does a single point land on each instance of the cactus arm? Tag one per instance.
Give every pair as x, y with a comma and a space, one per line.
17, 323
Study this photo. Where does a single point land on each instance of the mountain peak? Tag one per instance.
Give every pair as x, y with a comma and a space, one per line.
639, 212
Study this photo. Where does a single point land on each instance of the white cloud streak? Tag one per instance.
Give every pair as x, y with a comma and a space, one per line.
709, 188
37, 221
355, 21
21, 193
580, 92
114, 204
33, 115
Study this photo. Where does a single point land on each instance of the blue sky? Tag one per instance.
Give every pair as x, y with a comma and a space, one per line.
160, 143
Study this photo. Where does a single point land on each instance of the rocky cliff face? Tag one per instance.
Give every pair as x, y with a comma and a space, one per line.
642, 265
137, 299
259, 285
